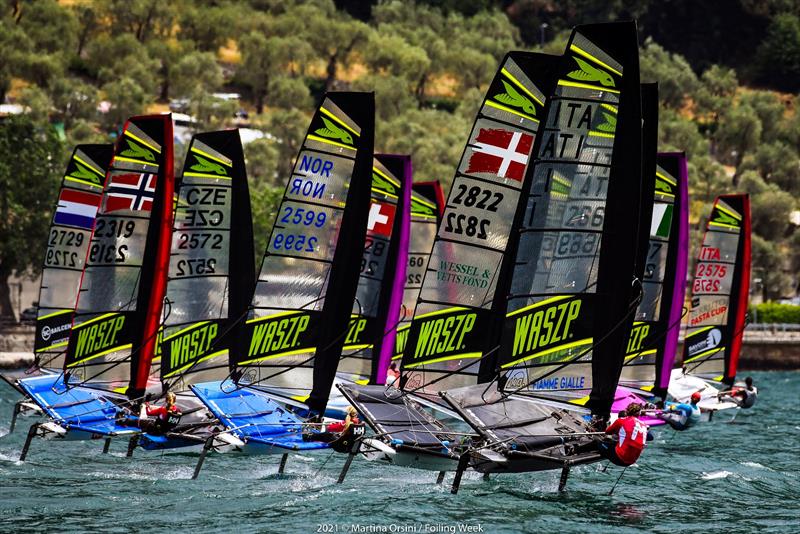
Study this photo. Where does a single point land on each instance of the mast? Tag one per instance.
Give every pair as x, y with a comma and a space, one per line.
720, 291
425, 209
450, 330
119, 303
385, 249
211, 271
303, 296
571, 304
67, 244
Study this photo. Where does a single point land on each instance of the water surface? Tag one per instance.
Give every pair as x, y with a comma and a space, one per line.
724, 477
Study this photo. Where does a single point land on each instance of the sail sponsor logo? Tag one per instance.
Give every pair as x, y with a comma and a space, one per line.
704, 310
636, 339
463, 274
354, 331
277, 334
190, 344
513, 98
420, 207
544, 326
86, 174
400, 340
97, 336
723, 218
588, 73
443, 334
48, 331
332, 131
204, 165
711, 340
517, 379
137, 151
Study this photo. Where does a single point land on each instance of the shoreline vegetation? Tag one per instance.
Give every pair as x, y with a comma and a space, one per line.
729, 73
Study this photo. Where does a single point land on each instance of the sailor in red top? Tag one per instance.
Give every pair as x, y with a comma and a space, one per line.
341, 426
157, 419
632, 435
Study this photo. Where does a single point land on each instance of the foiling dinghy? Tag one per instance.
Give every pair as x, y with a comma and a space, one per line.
717, 318
299, 314
67, 245
211, 278
579, 258
444, 343
115, 322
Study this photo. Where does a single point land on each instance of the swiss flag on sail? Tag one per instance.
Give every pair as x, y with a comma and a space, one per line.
501, 152
131, 191
381, 218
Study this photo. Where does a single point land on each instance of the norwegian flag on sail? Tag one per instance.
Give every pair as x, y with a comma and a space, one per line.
131, 191
501, 152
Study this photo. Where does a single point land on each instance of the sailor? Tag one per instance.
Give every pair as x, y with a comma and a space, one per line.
632, 434
392, 374
745, 396
158, 419
682, 416
333, 431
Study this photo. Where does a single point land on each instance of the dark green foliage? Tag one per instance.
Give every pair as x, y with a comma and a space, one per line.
772, 312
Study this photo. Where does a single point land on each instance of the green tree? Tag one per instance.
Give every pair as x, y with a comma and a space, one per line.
30, 157
778, 56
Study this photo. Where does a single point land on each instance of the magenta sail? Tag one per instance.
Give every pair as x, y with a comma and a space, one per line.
398, 284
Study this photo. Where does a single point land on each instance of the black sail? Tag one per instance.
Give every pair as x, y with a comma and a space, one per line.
571, 302
67, 245
211, 272
449, 333
304, 293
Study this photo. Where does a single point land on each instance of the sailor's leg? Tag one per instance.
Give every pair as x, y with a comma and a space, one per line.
440, 478
106, 445
31, 434
353, 451
282, 466
206, 447
463, 462
562, 482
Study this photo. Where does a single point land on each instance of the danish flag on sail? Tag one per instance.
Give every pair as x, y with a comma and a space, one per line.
131, 191
501, 152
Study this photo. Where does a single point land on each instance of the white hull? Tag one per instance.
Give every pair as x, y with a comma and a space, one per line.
376, 450
681, 388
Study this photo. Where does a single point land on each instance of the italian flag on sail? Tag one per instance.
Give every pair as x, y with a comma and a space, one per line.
662, 220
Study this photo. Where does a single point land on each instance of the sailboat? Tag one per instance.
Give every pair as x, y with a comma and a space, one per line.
447, 336
210, 281
300, 311
115, 322
581, 246
67, 244
427, 206
382, 272
720, 291
652, 345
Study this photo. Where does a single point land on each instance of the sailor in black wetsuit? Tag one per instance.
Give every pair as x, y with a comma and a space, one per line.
745, 396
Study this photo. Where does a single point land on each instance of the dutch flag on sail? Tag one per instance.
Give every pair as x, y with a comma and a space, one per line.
77, 208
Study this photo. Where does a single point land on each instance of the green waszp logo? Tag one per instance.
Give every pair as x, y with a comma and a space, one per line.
82, 172
610, 124
203, 165
663, 186
514, 98
723, 218
590, 73
136, 151
331, 131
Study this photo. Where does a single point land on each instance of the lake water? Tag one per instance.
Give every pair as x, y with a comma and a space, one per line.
716, 477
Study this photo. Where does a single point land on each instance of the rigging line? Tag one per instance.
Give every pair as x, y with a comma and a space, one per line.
324, 463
